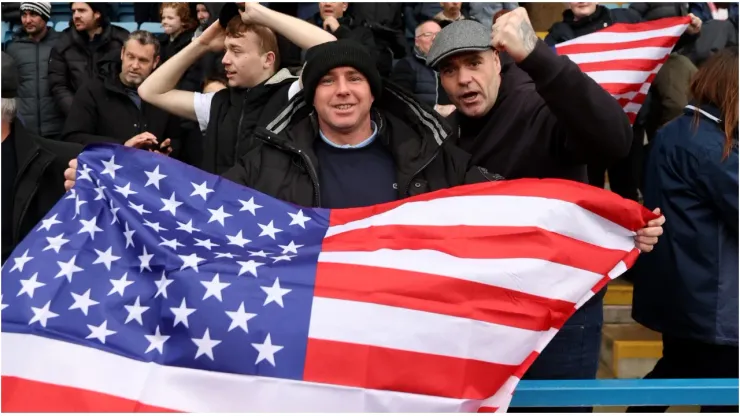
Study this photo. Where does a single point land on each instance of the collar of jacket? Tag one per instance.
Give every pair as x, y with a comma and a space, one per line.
50, 36
32, 160
237, 95
709, 111
411, 131
600, 15
78, 38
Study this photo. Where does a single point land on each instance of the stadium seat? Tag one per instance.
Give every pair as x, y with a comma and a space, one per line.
50, 23
130, 26
61, 17
152, 27
126, 17
60, 26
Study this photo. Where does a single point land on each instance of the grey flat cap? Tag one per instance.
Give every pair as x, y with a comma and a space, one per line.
460, 36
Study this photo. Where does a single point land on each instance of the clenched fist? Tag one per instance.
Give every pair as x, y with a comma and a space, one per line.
513, 33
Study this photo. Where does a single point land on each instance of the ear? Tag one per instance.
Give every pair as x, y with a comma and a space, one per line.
123, 49
344, 6
156, 62
269, 60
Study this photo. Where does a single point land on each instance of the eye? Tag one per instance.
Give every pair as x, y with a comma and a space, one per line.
326, 81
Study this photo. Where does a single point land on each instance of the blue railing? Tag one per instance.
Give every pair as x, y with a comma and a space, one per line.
626, 392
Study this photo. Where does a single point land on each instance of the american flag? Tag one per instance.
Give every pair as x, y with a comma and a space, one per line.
624, 58
155, 286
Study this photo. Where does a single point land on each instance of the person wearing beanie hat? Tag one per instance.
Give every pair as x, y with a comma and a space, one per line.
76, 56
32, 167
42, 9
31, 49
530, 113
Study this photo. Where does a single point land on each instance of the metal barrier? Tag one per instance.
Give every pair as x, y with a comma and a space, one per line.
626, 392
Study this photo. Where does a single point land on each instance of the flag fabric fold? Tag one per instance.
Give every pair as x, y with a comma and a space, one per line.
154, 286
625, 57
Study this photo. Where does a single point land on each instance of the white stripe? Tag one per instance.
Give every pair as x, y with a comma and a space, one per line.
619, 77
505, 211
620, 37
651, 53
632, 108
417, 331
534, 276
503, 396
56, 362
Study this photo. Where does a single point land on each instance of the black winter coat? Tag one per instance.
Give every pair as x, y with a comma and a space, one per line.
603, 17
286, 167
39, 181
103, 112
36, 106
73, 61
413, 74
192, 80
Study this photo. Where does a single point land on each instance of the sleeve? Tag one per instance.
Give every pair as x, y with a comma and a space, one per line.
202, 107
719, 182
60, 90
82, 120
589, 125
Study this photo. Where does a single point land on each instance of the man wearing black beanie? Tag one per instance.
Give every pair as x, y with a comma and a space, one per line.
348, 140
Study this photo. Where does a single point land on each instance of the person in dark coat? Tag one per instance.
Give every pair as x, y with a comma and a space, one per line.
110, 110
74, 59
32, 170
687, 289
31, 49
525, 112
179, 30
385, 20
413, 73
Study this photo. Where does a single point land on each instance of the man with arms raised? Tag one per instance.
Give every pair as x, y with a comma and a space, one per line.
530, 113
257, 90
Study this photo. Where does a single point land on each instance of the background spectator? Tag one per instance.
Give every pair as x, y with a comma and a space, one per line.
31, 49
386, 22
485, 12
687, 289
75, 57
179, 30
451, 12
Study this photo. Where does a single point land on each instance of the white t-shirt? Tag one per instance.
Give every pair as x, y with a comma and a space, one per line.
202, 104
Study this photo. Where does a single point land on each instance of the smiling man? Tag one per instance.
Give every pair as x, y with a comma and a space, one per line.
109, 109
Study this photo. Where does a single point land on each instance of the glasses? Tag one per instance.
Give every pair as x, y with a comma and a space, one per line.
427, 35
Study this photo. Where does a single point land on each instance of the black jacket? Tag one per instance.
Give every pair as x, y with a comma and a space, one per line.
192, 80
39, 181
74, 61
568, 28
285, 165
413, 74
104, 112
36, 106
235, 112
549, 121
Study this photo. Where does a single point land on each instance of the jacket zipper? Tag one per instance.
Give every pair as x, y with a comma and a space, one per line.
38, 92
306, 160
434, 156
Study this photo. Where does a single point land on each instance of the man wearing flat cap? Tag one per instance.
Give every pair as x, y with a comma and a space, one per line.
32, 168
525, 112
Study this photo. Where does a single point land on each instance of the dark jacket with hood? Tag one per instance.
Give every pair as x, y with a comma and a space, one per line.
38, 182
104, 110
688, 286
235, 112
36, 105
549, 121
286, 167
74, 60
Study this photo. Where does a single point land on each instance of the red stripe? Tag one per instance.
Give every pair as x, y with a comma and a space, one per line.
27, 396
628, 214
655, 42
403, 371
618, 88
441, 295
524, 366
639, 98
643, 65
487, 409
646, 26
480, 242
632, 117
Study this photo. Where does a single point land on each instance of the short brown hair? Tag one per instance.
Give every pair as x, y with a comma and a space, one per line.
183, 12
268, 41
716, 83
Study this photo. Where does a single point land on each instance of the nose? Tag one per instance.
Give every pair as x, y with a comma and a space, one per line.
342, 87
463, 76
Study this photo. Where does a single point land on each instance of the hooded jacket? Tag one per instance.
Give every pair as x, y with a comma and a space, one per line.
36, 105
74, 60
285, 165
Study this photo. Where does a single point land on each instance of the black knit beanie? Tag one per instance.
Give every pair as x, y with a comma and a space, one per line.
324, 57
